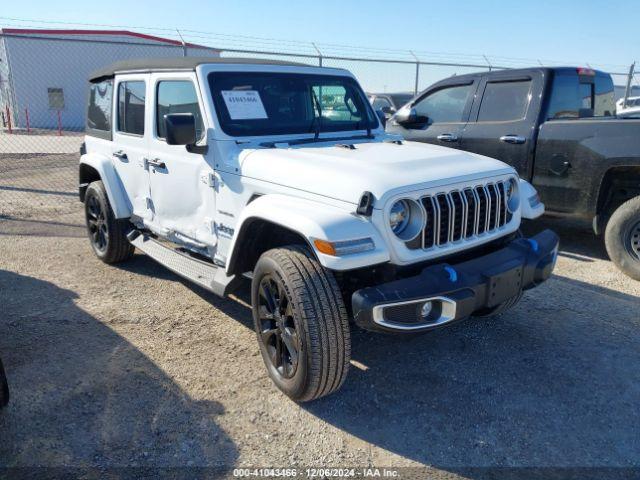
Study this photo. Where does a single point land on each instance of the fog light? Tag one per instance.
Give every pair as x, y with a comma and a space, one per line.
426, 309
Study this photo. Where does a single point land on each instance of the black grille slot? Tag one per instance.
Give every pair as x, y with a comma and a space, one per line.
482, 209
471, 214
445, 215
493, 212
430, 229
505, 215
458, 216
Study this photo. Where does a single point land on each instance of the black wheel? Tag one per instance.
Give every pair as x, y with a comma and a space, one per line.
301, 323
4, 387
499, 309
622, 237
107, 234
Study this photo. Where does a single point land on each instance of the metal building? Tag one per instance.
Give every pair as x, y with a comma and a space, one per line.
43, 73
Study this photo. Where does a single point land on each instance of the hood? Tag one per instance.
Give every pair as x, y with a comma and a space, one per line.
378, 167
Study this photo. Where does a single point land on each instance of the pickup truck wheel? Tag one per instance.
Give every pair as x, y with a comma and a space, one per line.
107, 234
499, 309
301, 323
622, 237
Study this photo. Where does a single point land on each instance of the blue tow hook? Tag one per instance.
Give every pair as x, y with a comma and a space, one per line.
534, 244
453, 275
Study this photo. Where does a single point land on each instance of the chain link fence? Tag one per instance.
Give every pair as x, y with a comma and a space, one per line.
43, 89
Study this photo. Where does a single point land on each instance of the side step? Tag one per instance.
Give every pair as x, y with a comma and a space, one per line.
204, 274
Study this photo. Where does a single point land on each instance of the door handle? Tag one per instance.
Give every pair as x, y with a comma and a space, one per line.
447, 137
120, 154
515, 139
156, 162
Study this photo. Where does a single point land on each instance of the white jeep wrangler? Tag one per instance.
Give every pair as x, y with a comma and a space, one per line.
282, 173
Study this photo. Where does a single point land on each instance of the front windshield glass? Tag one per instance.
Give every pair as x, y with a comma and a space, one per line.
260, 103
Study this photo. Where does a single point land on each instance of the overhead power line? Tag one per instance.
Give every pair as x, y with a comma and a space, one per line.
288, 46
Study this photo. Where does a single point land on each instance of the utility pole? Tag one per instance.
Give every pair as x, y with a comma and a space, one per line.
319, 54
415, 88
184, 45
627, 90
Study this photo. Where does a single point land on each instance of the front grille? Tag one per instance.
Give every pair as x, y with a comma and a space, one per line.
461, 214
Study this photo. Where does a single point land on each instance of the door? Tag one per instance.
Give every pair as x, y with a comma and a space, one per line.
181, 181
130, 141
502, 121
447, 110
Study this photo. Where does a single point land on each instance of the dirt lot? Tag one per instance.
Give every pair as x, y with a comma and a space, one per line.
130, 366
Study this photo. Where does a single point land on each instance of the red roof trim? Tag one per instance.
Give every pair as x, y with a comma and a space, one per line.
97, 32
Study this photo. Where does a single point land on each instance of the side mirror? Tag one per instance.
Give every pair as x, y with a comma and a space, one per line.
382, 117
409, 118
180, 128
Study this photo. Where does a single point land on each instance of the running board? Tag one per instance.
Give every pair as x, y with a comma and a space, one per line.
204, 274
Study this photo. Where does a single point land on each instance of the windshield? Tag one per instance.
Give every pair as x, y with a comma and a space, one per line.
401, 99
260, 103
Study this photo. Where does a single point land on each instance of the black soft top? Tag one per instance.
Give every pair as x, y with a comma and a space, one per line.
178, 63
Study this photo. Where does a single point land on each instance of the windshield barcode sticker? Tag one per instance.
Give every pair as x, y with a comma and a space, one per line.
244, 104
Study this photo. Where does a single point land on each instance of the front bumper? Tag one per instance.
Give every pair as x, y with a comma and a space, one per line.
456, 291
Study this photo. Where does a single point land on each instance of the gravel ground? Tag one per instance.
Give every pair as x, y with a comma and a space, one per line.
131, 366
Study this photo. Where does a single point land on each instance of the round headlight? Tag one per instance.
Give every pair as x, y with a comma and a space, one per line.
513, 195
399, 216
406, 219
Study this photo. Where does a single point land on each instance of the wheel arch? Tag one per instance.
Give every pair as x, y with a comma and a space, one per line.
98, 167
618, 184
258, 235
274, 220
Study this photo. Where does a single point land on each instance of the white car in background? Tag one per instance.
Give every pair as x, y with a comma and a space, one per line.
632, 109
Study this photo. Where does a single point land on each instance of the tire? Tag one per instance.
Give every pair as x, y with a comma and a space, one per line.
499, 309
306, 345
107, 234
622, 237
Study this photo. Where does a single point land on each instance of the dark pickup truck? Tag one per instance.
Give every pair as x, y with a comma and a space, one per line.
557, 127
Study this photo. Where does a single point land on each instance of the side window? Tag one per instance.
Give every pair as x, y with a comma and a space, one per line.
445, 105
504, 101
571, 93
380, 102
177, 96
604, 102
131, 96
99, 108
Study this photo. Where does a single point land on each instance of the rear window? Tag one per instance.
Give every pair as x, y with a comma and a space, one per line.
99, 108
573, 96
131, 96
505, 101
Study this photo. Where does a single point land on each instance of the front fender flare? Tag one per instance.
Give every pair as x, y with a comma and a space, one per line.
115, 190
313, 220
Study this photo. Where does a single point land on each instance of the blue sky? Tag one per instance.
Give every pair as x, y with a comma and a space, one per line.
601, 33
